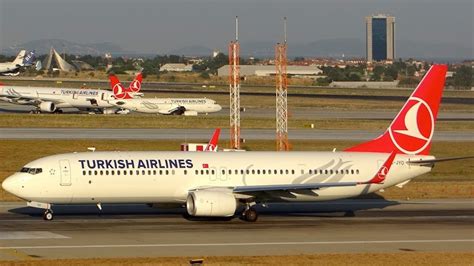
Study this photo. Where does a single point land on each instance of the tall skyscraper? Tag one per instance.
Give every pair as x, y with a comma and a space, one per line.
380, 43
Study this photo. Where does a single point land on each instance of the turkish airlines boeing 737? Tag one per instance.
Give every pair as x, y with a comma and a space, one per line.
217, 184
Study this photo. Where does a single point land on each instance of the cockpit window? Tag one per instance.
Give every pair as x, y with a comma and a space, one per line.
31, 171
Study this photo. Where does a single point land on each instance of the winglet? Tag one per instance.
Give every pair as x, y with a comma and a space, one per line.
383, 171
212, 145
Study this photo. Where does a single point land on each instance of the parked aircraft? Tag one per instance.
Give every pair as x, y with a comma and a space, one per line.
220, 184
23, 59
164, 106
54, 100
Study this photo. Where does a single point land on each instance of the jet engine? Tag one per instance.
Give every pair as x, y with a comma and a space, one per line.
109, 111
211, 203
48, 107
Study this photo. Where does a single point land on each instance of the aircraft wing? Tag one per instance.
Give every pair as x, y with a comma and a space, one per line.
291, 187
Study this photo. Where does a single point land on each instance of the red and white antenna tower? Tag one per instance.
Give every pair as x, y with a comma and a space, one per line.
282, 143
234, 88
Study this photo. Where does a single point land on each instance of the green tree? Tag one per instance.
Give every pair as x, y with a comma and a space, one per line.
463, 77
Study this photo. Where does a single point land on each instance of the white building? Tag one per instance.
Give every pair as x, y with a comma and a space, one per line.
177, 68
270, 70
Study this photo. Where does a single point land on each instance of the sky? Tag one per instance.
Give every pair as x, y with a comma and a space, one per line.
161, 26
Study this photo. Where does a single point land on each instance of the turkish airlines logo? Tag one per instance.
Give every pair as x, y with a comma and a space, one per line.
119, 91
382, 173
135, 86
413, 130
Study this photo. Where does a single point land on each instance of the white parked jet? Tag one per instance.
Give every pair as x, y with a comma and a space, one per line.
215, 184
53, 100
23, 59
164, 106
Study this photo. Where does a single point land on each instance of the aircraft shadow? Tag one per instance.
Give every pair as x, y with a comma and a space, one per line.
336, 208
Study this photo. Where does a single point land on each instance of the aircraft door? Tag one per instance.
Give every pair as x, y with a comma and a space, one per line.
65, 172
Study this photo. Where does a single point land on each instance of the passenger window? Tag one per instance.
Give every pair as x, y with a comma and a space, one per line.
131, 172
167, 172
90, 172
149, 172
207, 172
154, 172
143, 172
106, 172
202, 172
185, 172
357, 171
95, 172
118, 172
230, 172
263, 171
161, 172
247, 171
236, 171
275, 171
138, 172
101, 172
223, 172
310, 171
326, 171
352, 171
83, 172
112, 172
197, 172
258, 171
253, 171
172, 172
213, 172
124, 172
241, 171
337, 172
292, 171
286, 171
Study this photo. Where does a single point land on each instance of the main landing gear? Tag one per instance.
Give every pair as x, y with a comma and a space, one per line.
249, 214
48, 215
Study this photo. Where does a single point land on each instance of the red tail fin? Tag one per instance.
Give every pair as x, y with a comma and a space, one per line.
412, 129
136, 84
119, 91
212, 145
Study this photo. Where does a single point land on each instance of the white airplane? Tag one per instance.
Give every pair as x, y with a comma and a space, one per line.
53, 100
23, 59
219, 184
164, 106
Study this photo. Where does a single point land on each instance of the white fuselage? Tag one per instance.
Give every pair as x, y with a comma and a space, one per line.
61, 97
167, 177
8, 67
168, 105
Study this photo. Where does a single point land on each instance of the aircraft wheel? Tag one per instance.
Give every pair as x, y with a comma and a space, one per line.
251, 215
48, 215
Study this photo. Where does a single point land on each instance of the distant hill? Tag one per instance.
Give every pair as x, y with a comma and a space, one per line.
43, 47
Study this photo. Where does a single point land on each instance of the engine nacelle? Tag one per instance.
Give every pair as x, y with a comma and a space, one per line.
211, 203
48, 107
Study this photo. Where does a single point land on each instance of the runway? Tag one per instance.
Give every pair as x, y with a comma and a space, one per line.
204, 134
138, 231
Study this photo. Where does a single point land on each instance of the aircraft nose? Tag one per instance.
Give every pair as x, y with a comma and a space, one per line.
12, 184
217, 107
